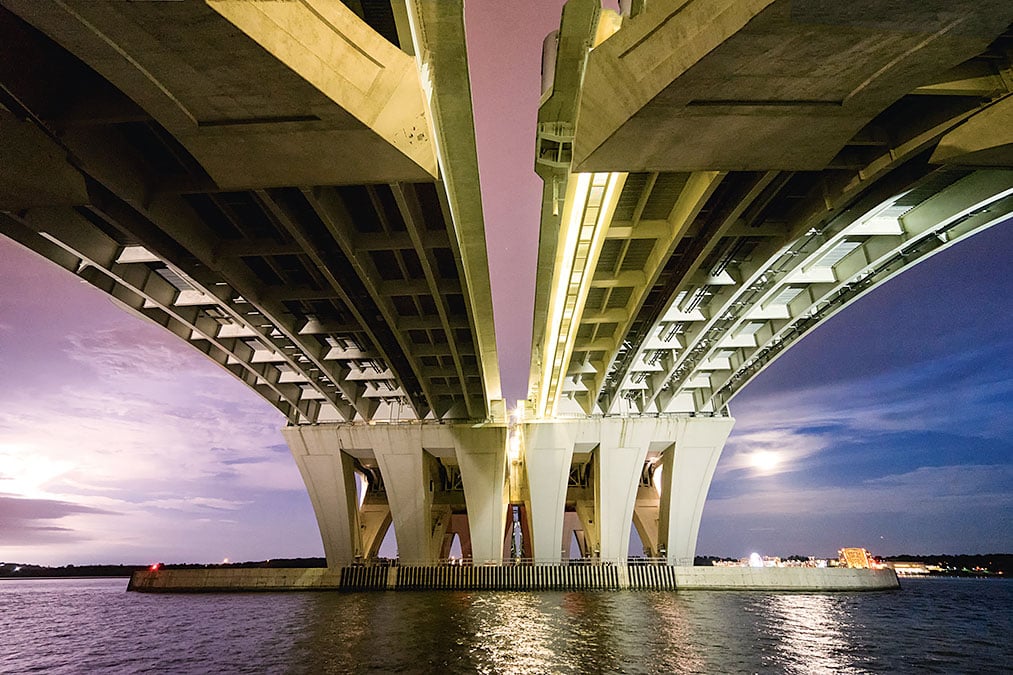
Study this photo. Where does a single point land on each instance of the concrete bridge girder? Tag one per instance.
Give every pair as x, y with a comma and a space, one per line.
792, 152
984, 139
785, 283
870, 257
152, 139
677, 90
146, 293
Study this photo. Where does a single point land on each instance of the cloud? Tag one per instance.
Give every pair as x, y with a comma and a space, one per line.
918, 396
16, 508
923, 490
196, 504
128, 350
29, 521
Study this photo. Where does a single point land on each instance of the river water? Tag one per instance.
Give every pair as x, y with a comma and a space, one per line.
95, 626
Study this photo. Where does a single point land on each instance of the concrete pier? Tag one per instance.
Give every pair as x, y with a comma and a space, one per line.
516, 578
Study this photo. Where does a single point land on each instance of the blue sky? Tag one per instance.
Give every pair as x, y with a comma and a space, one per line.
892, 420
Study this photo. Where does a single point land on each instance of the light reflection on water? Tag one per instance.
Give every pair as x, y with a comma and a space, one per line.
811, 633
75, 626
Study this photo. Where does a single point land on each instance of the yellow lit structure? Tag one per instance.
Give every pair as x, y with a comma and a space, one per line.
587, 212
857, 558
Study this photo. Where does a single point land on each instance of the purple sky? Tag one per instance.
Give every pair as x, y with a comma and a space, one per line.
119, 443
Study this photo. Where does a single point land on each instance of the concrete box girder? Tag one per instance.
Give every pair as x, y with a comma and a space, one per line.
761, 84
255, 105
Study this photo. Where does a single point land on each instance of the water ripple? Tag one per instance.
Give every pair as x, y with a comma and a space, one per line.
93, 626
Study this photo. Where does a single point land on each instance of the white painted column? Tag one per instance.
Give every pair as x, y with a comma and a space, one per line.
399, 454
687, 472
482, 457
619, 462
330, 480
548, 450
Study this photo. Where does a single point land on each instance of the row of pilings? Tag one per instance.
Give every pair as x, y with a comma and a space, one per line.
507, 577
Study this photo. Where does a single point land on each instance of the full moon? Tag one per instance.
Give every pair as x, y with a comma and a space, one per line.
764, 460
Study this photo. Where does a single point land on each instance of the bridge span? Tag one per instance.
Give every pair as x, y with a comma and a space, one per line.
292, 189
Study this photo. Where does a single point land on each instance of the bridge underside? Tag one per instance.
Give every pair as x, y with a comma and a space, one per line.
285, 215
722, 177
292, 189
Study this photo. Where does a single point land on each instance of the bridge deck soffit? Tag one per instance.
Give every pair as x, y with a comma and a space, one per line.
303, 76
764, 85
701, 278
333, 301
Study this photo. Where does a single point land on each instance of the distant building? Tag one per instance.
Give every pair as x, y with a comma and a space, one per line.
854, 557
909, 568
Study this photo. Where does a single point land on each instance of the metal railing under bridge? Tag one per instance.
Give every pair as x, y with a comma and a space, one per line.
512, 574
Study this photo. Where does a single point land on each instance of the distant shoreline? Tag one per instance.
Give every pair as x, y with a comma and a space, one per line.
987, 566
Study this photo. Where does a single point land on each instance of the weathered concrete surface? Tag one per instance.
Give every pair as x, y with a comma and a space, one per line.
256, 105
985, 139
523, 578
761, 84
784, 579
219, 580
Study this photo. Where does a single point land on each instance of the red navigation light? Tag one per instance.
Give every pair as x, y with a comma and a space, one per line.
155, 567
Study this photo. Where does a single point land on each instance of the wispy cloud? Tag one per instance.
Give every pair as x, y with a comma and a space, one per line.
156, 434
31, 521
923, 490
196, 504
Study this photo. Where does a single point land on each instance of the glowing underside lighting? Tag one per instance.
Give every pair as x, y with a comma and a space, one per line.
362, 486
514, 446
587, 213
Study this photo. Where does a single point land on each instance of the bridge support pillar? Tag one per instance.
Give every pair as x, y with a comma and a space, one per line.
687, 470
409, 479
482, 457
330, 480
547, 455
619, 461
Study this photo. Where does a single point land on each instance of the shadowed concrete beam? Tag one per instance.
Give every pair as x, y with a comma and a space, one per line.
440, 46
33, 169
311, 96
753, 85
343, 57
984, 139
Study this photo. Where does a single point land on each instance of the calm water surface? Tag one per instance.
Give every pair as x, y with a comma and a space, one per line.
94, 626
